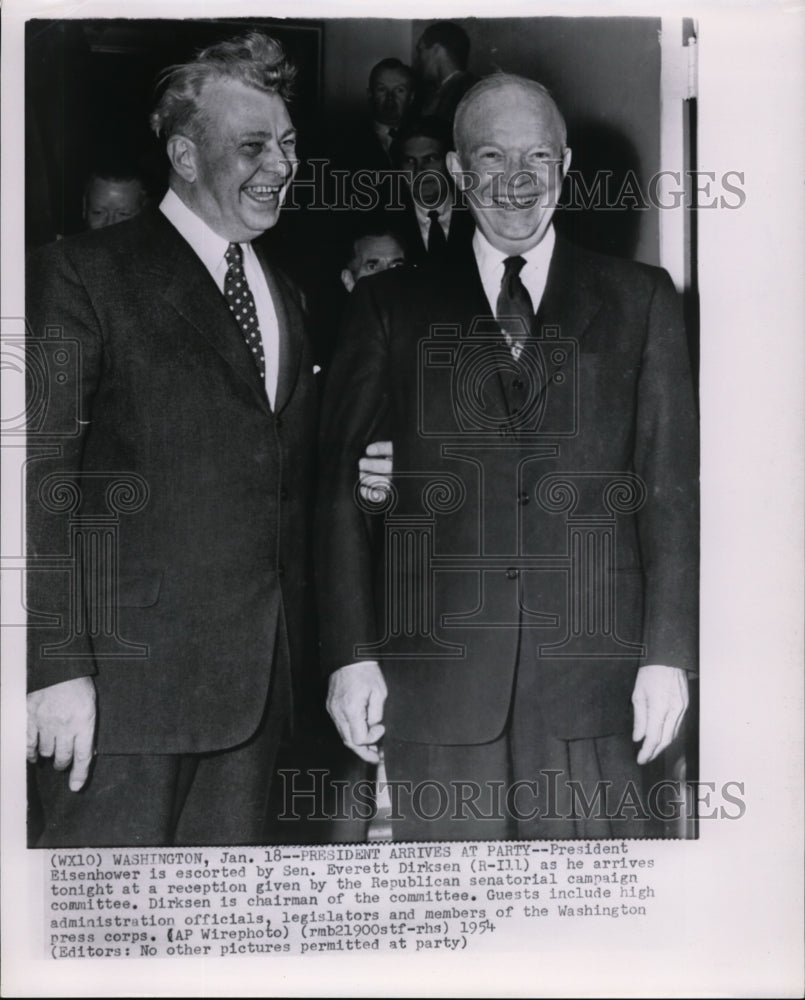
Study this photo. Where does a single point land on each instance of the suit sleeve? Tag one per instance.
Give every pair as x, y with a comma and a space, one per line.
667, 460
63, 364
354, 413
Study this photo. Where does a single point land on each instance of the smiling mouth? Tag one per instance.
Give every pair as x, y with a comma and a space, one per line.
517, 203
263, 194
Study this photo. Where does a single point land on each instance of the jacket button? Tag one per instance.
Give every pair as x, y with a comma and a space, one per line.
283, 493
511, 573
518, 383
278, 423
280, 570
523, 498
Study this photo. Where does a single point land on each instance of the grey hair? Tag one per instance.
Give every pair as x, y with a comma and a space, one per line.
493, 82
254, 59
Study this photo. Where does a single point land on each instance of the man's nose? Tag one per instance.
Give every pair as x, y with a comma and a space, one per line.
274, 161
522, 174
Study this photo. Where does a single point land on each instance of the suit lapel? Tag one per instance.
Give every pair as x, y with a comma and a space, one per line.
291, 334
568, 306
180, 277
570, 300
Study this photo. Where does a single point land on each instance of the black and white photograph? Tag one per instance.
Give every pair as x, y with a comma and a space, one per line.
394, 557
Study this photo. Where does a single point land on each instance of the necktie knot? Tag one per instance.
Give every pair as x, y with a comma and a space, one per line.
234, 255
512, 266
433, 215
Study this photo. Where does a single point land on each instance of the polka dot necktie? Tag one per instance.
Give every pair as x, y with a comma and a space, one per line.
241, 301
514, 305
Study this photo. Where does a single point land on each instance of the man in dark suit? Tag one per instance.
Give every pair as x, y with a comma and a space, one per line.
441, 64
434, 222
390, 91
179, 482
538, 603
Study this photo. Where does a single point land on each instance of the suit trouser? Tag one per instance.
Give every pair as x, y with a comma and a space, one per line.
529, 783
142, 799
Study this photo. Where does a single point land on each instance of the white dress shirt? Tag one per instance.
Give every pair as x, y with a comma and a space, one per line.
445, 211
210, 248
534, 274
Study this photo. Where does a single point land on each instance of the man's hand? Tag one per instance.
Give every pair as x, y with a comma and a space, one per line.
355, 703
61, 725
374, 471
660, 698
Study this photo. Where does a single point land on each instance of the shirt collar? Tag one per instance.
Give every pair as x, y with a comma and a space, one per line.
208, 246
489, 257
443, 210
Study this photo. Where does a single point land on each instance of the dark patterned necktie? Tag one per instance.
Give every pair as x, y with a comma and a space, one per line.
241, 301
514, 304
437, 244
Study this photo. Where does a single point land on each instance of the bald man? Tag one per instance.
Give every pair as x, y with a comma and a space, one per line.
530, 647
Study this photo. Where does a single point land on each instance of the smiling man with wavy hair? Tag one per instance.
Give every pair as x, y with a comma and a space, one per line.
194, 385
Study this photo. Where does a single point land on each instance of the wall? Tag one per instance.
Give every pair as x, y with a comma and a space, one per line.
351, 46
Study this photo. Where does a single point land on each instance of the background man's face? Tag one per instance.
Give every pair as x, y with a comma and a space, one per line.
423, 160
373, 254
245, 161
390, 96
111, 201
511, 146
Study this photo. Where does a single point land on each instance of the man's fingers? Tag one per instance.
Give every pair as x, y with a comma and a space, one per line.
374, 489
32, 740
374, 707
668, 731
63, 752
47, 744
351, 735
383, 448
82, 760
350, 723
355, 702
654, 729
640, 713
378, 466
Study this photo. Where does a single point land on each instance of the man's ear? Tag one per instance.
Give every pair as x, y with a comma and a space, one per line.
182, 155
347, 279
456, 170
567, 156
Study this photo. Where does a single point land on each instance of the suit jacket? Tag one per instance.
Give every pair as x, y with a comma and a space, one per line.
459, 237
562, 517
442, 103
204, 573
362, 150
